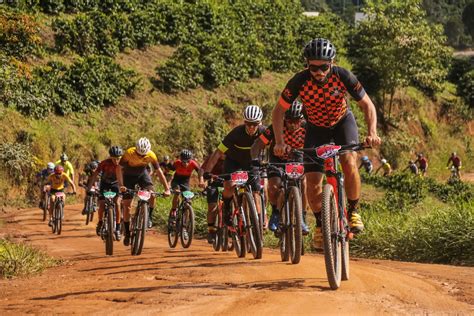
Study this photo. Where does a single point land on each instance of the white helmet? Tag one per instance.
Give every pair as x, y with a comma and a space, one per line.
143, 146
50, 166
253, 113
384, 161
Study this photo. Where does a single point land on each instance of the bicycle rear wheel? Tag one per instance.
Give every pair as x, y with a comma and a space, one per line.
45, 206
294, 231
109, 231
332, 244
284, 236
187, 226
218, 242
88, 208
253, 225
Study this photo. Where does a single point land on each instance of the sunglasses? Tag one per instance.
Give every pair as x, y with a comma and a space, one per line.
315, 68
253, 124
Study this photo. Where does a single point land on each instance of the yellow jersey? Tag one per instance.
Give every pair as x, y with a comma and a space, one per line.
57, 182
134, 163
68, 168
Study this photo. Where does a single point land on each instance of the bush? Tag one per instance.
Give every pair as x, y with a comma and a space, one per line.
18, 162
21, 259
466, 88
19, 34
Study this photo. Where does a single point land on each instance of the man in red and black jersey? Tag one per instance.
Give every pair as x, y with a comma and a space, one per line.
322, 88
294, 131
236, 148
183, 168
111, 180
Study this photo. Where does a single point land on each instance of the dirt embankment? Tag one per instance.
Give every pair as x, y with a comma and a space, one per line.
201, 281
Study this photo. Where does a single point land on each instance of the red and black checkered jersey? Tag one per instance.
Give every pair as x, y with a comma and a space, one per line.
325, 104
295, 139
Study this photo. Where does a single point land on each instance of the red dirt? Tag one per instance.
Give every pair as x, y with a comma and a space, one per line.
201, 281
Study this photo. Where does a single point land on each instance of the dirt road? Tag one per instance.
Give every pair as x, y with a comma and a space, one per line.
200, 281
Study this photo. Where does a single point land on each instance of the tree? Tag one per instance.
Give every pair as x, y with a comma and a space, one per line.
467, 18
396, 47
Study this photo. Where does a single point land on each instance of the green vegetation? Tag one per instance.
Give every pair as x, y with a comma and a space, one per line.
19, 259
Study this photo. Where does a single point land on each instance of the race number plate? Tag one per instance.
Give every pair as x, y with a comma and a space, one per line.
327, 151
294, 170
239, 177
109, 194
59, 194
144, 195
188, 195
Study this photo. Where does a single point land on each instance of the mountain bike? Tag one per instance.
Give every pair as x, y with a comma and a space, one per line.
46, 204
108, 223
181, 224
139, 221
335, 222
454, 177
58, 212
245, 228
91, 204
222, 240
291, 206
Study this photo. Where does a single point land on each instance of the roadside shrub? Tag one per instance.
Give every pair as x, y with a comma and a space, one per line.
18, 162
19, 259
19, 34
466, 88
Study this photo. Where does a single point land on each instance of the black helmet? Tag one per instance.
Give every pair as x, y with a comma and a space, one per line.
319, 49
295, 111
93, 165
186, 155
115, 151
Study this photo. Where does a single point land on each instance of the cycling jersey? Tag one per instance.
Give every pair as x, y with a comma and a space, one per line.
184, 171
57, 181
455, 160
367, 166
68, 168
236, 145
295, 139
386, 167
325, 104
135, 164
44, 174
107, 169
423, 163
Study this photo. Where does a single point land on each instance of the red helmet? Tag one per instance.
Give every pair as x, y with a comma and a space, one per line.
58, 169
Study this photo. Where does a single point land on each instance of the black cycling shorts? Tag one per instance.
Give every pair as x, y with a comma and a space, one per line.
143, 180
231, 166
345, 132
180, 183
104, 187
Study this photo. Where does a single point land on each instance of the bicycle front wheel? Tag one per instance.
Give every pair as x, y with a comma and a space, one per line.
141, 221
253, 225
59, 217
172, 232
294, 230
89, 203
332, 244
187, 226
109, 231
218, 242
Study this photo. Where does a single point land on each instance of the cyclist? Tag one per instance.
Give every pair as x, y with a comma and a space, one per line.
212, 196
455, 160
387, 169
55, 183
111, 180
67, 165
165, 165
183, 168
294, 130
412, 166
367, 164
422, 164
41, 178
322, 88
134, 163
84, 178
236, 147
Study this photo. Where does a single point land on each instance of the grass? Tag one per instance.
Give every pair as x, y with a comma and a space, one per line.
19, 259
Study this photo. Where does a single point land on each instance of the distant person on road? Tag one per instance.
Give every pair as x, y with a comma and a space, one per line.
422, 164
455, 160
367, 164
387, 169
55, 183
